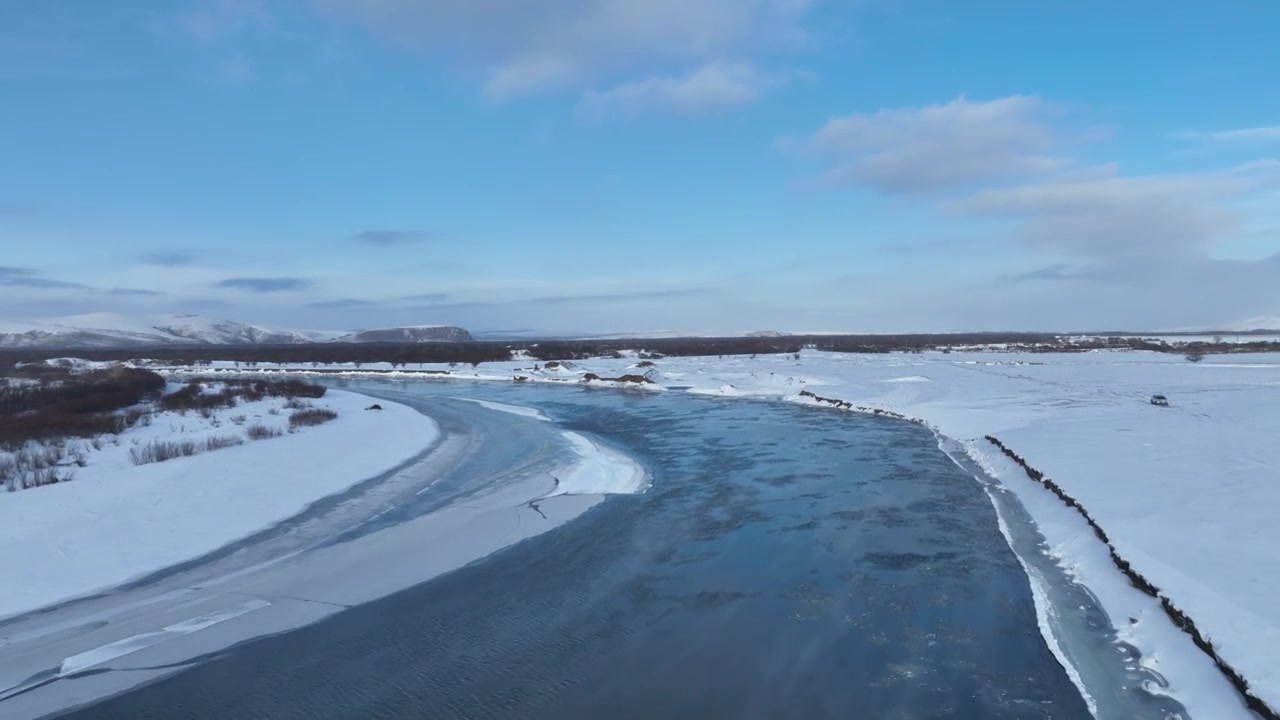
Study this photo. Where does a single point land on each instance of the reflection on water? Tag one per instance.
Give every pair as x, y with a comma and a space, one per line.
786, 563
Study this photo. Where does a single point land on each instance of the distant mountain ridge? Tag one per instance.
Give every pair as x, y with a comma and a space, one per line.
105, 330
1257, 324
411, 334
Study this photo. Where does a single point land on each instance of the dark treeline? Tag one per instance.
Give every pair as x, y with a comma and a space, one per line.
66, 404
195, 396
474, 353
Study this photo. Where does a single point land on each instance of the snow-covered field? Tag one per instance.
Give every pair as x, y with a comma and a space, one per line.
116, 520
1186, 493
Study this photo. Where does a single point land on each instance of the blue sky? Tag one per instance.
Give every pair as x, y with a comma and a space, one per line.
617, 165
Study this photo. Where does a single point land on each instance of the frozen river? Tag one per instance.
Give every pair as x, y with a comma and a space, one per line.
786, 562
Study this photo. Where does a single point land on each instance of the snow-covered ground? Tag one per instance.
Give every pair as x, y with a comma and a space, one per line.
1186, 493
116, 520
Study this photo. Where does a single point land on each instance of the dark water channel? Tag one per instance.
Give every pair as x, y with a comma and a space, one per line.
787, 562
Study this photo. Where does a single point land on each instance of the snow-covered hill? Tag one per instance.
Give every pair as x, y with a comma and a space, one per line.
108, 330
227, 332
100, 330
681, 334
1254, 325
414, 334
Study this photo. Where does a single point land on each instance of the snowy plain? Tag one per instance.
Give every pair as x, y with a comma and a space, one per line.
1186, 493
117, 521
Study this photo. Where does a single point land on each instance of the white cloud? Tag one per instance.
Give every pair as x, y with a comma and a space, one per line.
940, 147
216, 29
528, 75
237, 67
523, 47
1001, 153
216, 20
1090, 247
1150, 216
715, 86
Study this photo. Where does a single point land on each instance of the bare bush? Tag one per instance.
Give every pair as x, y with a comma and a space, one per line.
262, 432
194, 397
17, 476
238, 419
312, 416
218, 442
295, 388
47, 476
162, 450
31, 457
252, 390
1195, 356
53, 455
9, 471
296, 404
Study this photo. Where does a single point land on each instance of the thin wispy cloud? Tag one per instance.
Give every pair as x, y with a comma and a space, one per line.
236, 68
343, 304
427, 298
1268, 134
390, 238
266, 285
168, 259
204, 305
708, 89
214, 21
624, 297
391, 303
28, 278
586, 300
518, 48
1125, 217
1048, 273
132, 292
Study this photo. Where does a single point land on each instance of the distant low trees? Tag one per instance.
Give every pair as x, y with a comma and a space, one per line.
475, 353
65, 404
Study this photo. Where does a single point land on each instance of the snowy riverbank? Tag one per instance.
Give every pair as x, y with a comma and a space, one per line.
1185, 493
118, 521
